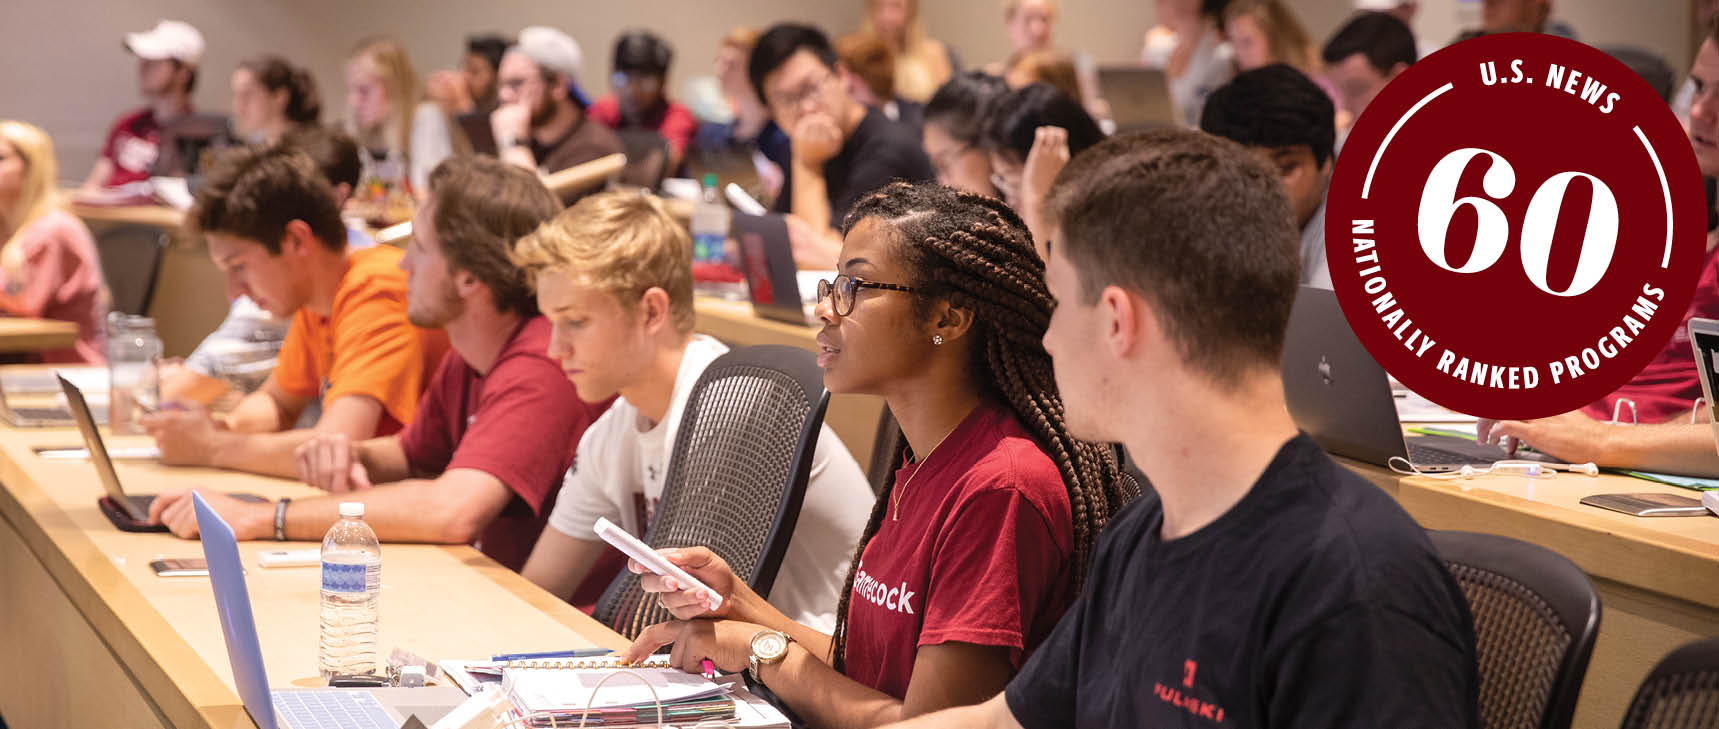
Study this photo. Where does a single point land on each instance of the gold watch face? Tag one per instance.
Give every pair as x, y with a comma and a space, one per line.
769, 646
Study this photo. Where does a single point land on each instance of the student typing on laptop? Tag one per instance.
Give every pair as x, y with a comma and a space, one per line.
482, 459
1666, 388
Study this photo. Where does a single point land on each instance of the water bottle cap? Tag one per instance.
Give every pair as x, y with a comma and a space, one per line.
353, 509
710, 179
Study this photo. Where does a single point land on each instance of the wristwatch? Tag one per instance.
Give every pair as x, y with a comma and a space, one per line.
280, 519
769, 647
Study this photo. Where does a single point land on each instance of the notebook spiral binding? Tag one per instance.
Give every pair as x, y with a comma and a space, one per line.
580, 664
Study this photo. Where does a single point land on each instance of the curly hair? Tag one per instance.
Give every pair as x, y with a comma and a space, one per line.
975, 253
1273, 106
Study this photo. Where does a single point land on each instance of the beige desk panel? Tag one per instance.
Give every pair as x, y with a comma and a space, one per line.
19, 334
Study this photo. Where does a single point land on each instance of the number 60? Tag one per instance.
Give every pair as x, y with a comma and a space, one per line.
1439, 204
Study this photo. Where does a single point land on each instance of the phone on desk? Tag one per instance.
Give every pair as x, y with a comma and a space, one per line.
1648, 504
191, 567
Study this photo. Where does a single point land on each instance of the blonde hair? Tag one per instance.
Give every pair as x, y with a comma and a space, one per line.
622, 242
388, 60
919, 59
741, 37
41, 170
1285, 38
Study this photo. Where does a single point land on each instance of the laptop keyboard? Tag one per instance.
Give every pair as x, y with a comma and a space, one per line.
331, 710
1425, 455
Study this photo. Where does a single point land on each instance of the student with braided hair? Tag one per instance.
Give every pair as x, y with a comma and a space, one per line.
979, 540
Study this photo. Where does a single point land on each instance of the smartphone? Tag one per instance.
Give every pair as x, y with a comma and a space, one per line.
194, 567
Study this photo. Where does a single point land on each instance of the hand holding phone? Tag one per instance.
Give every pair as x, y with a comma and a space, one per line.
644, 555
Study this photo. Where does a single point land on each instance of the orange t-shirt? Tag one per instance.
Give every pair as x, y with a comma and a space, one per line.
365, 346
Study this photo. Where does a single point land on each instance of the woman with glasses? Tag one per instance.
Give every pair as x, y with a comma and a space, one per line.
1030, 134
953, 119
980, 540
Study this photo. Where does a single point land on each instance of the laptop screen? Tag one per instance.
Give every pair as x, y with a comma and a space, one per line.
1704, 337
233, 603
98, 452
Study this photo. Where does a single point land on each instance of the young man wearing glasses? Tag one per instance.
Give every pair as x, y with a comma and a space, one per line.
614, 275
539, 125
841, 149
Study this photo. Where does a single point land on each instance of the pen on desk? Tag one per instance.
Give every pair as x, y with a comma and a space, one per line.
575, 653
709, 668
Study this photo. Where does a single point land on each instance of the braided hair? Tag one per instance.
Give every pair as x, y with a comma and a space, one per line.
974, 252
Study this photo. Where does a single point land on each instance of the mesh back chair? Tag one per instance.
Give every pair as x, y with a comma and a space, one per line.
1535, 616
1682, 692
741, 459
131, 262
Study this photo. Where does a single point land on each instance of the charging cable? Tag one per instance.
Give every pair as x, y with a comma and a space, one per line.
1529, 469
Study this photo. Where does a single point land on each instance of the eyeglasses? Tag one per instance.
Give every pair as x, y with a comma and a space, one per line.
787, 100
845, 289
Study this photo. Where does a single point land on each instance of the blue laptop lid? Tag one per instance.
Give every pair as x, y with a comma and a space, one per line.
233, 602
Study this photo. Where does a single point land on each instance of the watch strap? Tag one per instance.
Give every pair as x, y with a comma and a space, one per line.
280, 519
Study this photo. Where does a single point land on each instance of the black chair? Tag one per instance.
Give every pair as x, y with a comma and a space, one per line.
886, 450
741, 459
647, 158
1535, 617
131, 258
1682, 692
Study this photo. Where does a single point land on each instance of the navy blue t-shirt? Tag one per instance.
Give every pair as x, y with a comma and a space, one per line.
1314, 602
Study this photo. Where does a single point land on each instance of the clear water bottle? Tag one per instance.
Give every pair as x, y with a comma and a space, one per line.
134, 385
351, 583
714, 274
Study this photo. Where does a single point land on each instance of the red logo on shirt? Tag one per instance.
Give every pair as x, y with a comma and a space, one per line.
1175, 697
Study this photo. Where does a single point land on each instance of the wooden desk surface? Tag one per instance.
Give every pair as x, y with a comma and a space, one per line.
437, 601
18, 334
159, 216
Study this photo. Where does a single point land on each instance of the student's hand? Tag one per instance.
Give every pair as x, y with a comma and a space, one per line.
510, 121
705, 567
1571, 437
329, 461
1047, 157
727, 643
815, 139
448, 89
812, 251
176, 510
186, 435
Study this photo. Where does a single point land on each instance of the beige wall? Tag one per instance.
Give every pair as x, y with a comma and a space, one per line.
64, 67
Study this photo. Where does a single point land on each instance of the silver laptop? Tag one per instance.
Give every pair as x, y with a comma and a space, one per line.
1704, 338
46, 381
1139, 98
372, 708
1341, 397
53, 416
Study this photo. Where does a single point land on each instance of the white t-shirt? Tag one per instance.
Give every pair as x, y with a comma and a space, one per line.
622, 461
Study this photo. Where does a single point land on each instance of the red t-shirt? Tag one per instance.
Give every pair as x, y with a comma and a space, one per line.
519, 423
1668, 385
673, 121
981, 554
132, 146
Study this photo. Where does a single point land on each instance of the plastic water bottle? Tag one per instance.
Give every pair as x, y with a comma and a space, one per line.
133, 353
713, 273
351, 582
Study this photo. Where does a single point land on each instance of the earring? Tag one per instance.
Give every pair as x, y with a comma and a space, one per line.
937, 339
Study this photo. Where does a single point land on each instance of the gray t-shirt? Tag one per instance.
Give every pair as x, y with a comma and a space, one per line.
1314, 271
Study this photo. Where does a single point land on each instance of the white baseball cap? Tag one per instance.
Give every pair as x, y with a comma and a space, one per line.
1378, 5
551, 49
168, 39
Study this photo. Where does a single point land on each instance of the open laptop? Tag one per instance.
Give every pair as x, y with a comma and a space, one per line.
1340, 395
1704, 338
371, 708
44, 381
52, 416
1139, 98
767, 259
128, 513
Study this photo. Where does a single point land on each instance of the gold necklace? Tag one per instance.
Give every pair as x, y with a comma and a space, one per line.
895, 493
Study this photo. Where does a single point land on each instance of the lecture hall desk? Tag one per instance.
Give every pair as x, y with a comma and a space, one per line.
22, 335
90, 637
1658, 578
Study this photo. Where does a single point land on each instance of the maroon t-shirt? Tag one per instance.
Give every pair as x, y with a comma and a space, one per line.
981, 554
132, 146
1668, 385
674, 122
519, 423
